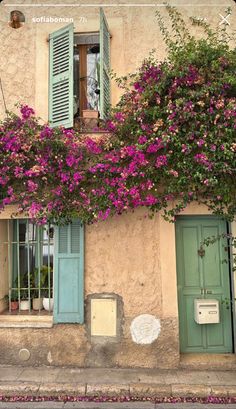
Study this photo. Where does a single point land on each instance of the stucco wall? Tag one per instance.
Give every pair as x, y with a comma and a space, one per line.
126, 247
17, 68
123, 256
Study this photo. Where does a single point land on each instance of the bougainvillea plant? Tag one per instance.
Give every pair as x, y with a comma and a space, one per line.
173, 141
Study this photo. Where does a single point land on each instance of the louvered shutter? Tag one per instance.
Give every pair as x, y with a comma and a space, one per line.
61, 77
104, 66
69, 273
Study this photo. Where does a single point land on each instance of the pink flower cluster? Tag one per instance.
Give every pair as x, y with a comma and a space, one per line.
172, 139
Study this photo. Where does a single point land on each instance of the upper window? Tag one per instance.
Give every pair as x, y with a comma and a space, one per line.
86, 74
79, 73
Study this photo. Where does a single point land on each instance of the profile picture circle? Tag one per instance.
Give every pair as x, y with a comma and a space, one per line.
17, 19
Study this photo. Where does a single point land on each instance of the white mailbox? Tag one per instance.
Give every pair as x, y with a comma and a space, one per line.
206, 311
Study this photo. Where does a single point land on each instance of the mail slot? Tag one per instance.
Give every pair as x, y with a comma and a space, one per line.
206, 311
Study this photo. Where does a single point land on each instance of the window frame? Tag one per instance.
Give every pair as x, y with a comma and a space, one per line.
75, 252
61, 74
34, 249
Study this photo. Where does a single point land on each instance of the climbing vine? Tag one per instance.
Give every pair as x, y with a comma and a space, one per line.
172, 141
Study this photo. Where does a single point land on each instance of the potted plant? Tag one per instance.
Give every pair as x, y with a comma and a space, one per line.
14, 303
48, 302
24, 301
37, 301
39, 282
14, 300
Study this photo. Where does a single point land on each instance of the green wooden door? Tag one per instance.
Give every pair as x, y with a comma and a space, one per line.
202, 277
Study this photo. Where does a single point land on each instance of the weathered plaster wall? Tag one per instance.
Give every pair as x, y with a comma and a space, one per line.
67, 345
17, 68
123, 256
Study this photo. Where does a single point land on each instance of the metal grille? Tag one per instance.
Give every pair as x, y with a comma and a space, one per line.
30, 263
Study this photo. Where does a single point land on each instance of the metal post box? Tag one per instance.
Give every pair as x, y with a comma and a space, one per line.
206, 311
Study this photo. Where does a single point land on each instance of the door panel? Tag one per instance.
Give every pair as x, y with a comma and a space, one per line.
193, 335
211, 261
202, 277
190, 238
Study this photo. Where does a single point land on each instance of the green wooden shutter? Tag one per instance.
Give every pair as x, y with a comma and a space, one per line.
105, 92
69, 273
61, 77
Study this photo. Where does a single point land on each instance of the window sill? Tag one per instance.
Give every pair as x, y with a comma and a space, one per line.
26, 321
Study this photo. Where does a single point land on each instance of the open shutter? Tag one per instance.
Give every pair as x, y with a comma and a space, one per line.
61, 77
105, 92
69, 273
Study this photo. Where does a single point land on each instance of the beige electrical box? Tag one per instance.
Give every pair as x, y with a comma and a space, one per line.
206, 311
103, 317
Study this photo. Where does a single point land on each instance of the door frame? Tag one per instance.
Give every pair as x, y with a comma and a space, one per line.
232, 279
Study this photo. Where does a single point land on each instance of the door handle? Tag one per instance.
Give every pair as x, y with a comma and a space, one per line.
202, 291
208, 291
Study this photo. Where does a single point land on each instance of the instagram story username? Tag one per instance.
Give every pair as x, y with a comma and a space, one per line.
49, 19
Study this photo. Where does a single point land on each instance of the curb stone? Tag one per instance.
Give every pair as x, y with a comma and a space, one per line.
107, 389
228, 391
62, 388
179, 390
19, 388
146, 389
134, 390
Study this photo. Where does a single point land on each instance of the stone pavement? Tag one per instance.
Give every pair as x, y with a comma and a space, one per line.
54, 381
109, 405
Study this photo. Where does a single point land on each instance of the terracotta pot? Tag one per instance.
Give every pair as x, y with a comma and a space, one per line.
14, 305
89, 113
37, 304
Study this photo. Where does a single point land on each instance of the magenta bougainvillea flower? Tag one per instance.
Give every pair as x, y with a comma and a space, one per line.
171, 142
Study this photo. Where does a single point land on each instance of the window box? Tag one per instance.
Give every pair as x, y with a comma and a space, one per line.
89, 113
